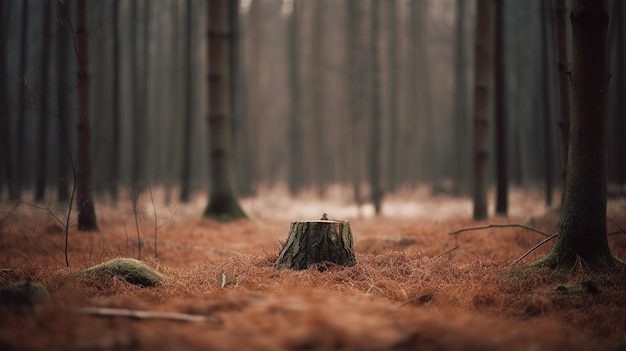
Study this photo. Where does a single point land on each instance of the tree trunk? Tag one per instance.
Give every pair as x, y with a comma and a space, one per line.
461, 120
502, 189
295, 125
582, 236
317, 242
64, 107
114, 171
375, 130
547, 110
392, 21
84, 191
5, 154
21, 100
185, 181
563, 84
223, 204
42, 135
483, 97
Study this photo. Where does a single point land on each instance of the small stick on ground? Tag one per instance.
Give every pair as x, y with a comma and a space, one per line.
447, 252
119, 312
500, 226
535, 247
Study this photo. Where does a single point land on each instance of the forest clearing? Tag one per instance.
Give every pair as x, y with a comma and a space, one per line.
414, 286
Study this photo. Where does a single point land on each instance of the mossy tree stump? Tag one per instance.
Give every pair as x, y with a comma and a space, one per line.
317, 242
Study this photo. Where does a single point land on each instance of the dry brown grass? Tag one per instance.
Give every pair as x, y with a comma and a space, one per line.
411, 289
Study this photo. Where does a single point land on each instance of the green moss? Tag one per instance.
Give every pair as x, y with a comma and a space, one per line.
23, 293
134, 271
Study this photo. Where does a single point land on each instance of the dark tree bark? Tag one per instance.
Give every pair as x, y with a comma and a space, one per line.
375, 130
617, 124
5, 146
185, 181
582, 235
317, 242
84, 189
64, 39
223, 204
114, 175
21, 101
547, 110
563, 84
502, 179
483, 97
42, 135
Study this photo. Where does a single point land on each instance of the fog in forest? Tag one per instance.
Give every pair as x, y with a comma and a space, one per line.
343, 100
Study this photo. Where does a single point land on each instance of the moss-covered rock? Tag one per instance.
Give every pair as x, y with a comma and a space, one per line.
133, 271
23, 293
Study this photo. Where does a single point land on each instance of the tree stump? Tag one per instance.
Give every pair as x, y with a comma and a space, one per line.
317, 242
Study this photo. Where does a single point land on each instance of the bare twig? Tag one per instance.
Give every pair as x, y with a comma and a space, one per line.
137, 314
134, 197
500, 226
447, 252
535, 247
155, 219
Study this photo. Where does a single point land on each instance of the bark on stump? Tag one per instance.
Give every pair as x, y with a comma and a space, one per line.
317, 242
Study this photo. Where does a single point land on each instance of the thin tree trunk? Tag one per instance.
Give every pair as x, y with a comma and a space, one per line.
84, 190
483, 97
21, 122
563, 84
42, 135
295, 124
547, 111
502, 189
392, 20
185, 183
5, 146
375, 130
461, 106
582, 236
63, 65
223, 204
114, 175
319, 150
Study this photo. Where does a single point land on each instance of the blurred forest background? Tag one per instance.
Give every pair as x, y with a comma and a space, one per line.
328, 94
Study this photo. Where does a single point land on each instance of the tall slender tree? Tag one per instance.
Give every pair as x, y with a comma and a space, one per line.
295, 123
5, 145
461, 106
223, 204
563, 84
84, 189
42, 135
114, 171
21, 103
547, 108
185, 180
502, 179
64, 36
582, 236
483, 96
375, 130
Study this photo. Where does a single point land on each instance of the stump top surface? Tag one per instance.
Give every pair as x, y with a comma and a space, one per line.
321, 221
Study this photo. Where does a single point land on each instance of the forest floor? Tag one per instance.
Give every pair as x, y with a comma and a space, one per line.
415, 286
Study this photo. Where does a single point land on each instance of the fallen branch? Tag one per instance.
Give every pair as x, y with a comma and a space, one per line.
535, 247
500, 226
136, 314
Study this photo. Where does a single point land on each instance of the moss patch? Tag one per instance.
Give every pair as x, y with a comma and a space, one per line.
133, 271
